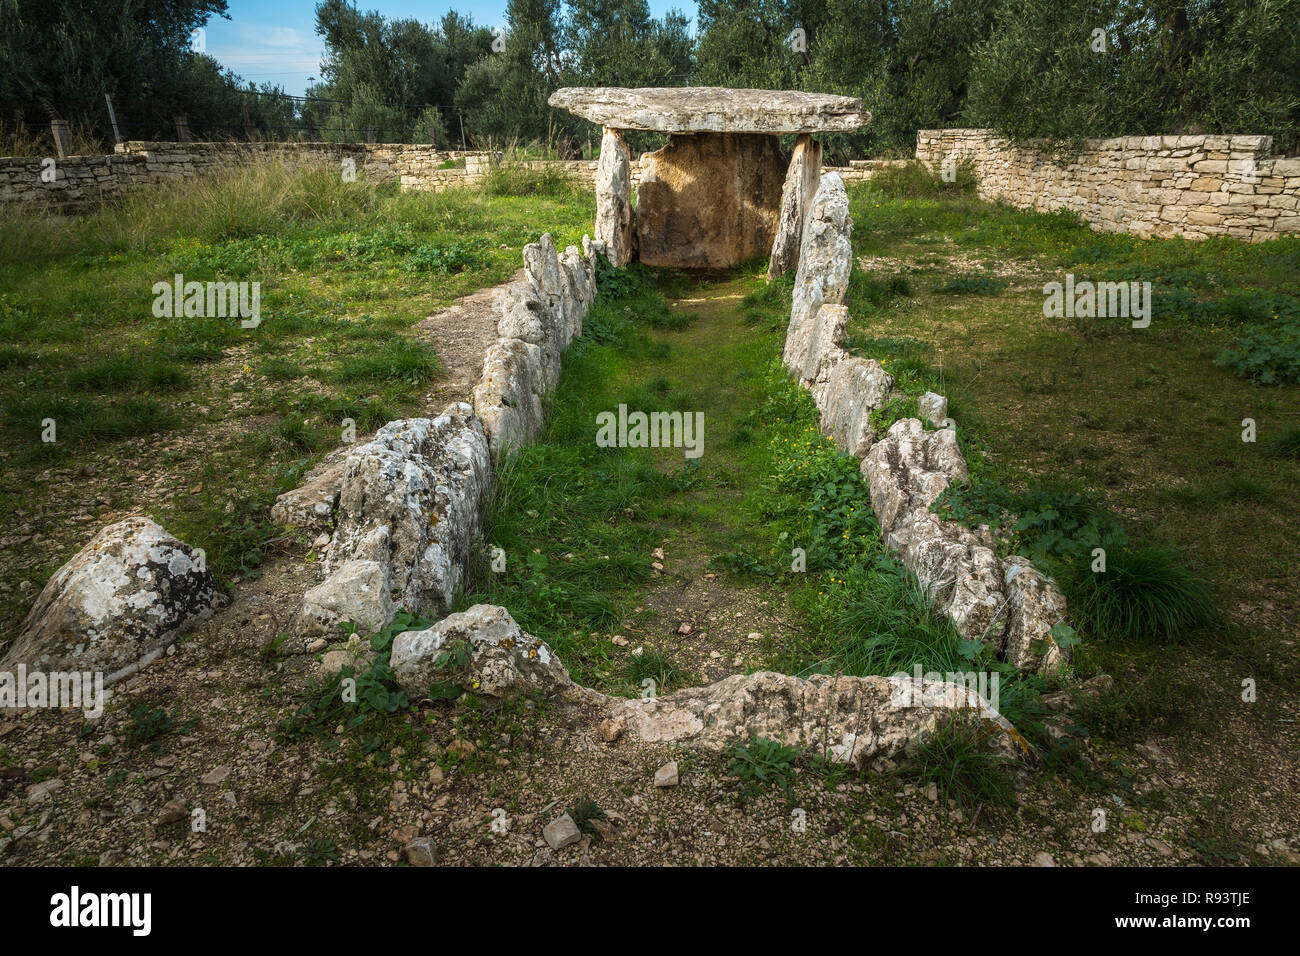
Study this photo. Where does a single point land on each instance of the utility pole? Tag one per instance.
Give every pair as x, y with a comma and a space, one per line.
112, 118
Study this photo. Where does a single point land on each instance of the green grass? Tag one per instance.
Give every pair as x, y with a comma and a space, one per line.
1093, 429
959, 761
200, 403
1146, 593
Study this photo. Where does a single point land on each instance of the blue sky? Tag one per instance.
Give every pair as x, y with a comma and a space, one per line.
274, 41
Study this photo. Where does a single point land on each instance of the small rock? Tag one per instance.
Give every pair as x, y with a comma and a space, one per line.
421, 852
619, 640
561, 832
460, 749
1097, 685
1043, 858
172, 811
39, 791
666, 776
1160, 846
217, 775
611, 729
683, 629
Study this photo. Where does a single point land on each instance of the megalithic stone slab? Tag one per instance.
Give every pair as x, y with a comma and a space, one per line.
825, 260
709, 201
801, 181
614, 198
713, 109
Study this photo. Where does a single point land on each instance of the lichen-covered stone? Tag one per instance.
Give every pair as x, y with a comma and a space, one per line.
846, 396
117, 604
412, 501
962, 578
502, 660
801, 179
359, 591
508, 398
852, 720
614, 198
933, 407
709, 201
310, 506
690, 109
825, 261
526, 315
909, 468
1034, 606
823, 351
855, 720
542, 266
579, 292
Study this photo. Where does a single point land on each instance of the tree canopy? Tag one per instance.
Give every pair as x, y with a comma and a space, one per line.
1060, 70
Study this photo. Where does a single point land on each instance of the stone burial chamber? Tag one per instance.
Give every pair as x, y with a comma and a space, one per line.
722, 191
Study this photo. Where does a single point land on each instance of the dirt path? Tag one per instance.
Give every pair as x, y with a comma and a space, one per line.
710, 623
461, 334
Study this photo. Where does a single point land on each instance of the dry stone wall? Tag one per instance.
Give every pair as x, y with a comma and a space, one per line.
1004, 603
1191, 186
410, 505
80, 182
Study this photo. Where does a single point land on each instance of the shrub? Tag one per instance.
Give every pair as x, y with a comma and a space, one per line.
1269, 355
972, 285
914, 180
1146, 593
763, 762
958, 760
521, 179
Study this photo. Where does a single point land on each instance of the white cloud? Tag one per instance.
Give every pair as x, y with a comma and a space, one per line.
260, 51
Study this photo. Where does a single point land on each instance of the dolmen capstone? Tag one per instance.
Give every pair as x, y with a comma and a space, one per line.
722, 191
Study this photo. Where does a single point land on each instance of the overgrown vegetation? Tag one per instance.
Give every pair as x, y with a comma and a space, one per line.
223, 418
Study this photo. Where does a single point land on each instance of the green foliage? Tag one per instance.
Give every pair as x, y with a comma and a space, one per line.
959, 760
522, 179
561, 502
972, 285
763, 763
398, 360
388, 74
1146, 593
1039, 73
866, 291
585, 811
320, 852
60, 58
768, 306
150, 724
1046, 521
321, 706
1286, 445
916, 180
651, 664
1269, 355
